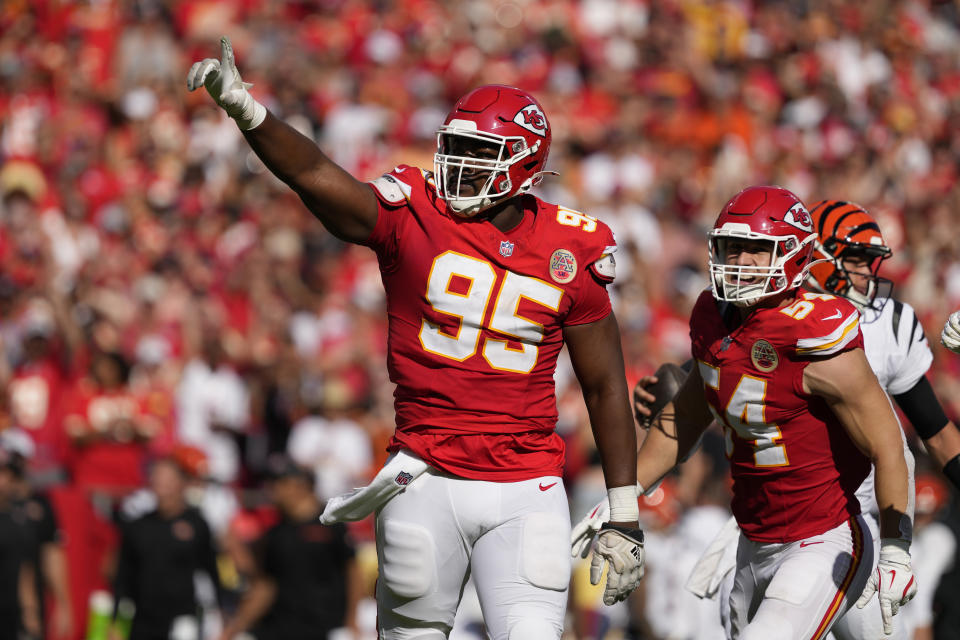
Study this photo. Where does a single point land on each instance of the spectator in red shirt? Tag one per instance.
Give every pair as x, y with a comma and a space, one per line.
107, 429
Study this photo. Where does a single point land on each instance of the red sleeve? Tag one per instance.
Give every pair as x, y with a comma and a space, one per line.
697, 331
592, 301
829, 325
393, 195
591, 304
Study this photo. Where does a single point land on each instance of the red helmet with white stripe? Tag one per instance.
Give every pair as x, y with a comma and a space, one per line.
769, 214
511, 127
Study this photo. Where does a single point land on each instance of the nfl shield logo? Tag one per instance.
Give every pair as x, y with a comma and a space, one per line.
506, 248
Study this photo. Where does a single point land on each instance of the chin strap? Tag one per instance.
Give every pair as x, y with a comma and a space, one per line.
535, 179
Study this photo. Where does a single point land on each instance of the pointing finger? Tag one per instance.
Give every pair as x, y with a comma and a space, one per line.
226, 52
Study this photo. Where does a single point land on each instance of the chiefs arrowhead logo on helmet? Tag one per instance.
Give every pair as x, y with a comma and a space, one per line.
799, 217
532, 119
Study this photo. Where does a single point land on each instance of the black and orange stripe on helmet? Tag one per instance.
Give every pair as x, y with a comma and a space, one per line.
845, 230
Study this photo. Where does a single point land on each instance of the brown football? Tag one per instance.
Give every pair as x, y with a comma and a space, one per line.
670, 378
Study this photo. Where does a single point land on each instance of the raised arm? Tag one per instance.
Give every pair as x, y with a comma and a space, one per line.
346, 206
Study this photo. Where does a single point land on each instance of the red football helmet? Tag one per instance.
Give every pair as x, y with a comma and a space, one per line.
508, 121
845, 229
771, 214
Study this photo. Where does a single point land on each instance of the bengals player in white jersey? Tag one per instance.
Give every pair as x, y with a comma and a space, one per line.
850, 241
783, 371
485, 283
851, 245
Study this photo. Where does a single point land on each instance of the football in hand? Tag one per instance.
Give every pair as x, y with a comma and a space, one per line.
670, 378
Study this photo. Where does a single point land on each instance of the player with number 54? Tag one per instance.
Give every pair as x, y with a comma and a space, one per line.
784, 372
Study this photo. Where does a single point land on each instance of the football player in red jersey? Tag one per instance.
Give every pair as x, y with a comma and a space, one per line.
485, 283
783, 371
849, 251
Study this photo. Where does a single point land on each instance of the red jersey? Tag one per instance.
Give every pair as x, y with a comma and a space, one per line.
795, 470
476, 321
108, 464
35, 395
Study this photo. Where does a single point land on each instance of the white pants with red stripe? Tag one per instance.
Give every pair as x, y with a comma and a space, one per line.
867, 623
798, 590
514, 537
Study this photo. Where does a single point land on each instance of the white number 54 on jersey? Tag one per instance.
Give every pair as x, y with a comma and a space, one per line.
470, 309
745, 414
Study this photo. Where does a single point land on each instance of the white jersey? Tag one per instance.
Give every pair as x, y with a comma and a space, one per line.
899, 355
895, 345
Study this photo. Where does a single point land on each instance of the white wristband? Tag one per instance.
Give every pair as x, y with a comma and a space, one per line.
623, 504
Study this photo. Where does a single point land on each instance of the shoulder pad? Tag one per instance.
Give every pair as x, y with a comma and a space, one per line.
827, 324
606, 267
390, 186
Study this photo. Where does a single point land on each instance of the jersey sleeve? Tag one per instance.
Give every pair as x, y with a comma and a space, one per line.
592, 301
393, 191
913, 355
829, 326
704, 308
591, 304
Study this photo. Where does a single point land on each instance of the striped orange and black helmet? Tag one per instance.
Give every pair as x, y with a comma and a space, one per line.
850, 240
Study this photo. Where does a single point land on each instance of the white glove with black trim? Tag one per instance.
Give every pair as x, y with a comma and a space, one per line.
582, 533
893, 579
621, 548
950, 336
227, 89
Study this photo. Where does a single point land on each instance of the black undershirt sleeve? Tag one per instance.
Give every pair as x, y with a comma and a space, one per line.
922, 409
952, 470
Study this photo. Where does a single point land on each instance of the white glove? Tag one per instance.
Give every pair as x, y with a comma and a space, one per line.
582, 533
893, 579
225, 86
950, 337
622, 549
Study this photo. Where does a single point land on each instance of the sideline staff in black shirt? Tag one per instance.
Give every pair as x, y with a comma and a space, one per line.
20, 618
159, 554
305, 585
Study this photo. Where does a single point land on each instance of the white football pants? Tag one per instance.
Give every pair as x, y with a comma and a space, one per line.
513, 536
798, 590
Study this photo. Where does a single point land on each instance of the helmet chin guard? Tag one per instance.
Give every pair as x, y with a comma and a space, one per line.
746, 285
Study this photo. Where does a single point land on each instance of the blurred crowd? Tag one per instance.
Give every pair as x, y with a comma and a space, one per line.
163, 297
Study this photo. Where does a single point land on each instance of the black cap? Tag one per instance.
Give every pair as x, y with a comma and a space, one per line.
13, 461
281, 466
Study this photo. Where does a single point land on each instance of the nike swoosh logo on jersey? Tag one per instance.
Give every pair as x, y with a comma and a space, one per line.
836, 315
544, 488
400, 169
807, 543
